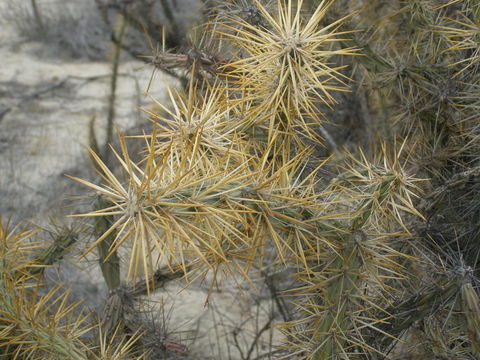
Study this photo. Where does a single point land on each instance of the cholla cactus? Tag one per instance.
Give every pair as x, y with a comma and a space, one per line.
287, 59
42, 323
347, 289
230, 179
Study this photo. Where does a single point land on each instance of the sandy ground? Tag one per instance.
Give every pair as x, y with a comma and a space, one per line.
46, 106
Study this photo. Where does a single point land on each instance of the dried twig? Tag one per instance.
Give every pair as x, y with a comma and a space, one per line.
113, 87
38, 17
34, 96
159, 279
